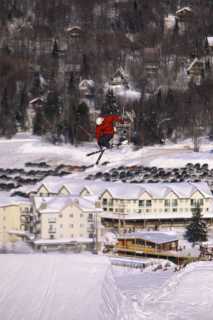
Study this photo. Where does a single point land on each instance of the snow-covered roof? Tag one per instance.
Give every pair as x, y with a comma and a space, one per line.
122, 190
35, 100
9, 201
152, 236
57, 203
195, 61
186, 9
86, 83
62, 241
158, 190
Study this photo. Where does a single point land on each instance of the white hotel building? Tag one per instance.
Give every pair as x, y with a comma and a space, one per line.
136, 204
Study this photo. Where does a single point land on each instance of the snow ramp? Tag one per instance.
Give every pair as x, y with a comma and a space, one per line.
58, 286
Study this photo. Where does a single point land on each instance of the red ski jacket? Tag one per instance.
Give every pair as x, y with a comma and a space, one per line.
107, 125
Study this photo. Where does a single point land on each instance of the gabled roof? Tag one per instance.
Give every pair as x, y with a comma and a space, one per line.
74, 29
122, 190
6, 201
55, 204
184, 9
86, 83
120, 73
193, 63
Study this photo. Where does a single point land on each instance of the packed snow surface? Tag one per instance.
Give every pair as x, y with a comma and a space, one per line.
57, 286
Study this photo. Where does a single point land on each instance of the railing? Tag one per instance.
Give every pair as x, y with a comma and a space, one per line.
142, 249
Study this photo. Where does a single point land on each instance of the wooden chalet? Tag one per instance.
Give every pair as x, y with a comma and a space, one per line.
150, 242
184, 14
196, 70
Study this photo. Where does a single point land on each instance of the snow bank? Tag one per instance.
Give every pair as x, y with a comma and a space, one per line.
188, 295
67, 287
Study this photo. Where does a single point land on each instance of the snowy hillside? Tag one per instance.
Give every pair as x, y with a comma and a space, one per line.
25, 147
76, 287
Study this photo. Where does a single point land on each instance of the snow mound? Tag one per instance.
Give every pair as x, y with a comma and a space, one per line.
188, 295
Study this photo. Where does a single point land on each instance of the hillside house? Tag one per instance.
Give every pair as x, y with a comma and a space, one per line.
196, 71
151, 59
184, 17
119, 78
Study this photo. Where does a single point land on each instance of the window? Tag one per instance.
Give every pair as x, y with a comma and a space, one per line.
81, 215
104, 201
167, 203
71, 215
141, 203
174, 209
60, 215
71, 236
200, 202
81, 225
148, 203
193, 202
71, 225
90, 216
174, 203
110, 202
61, 225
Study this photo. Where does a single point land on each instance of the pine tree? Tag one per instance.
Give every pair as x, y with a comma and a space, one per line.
55, 49
197, 229
110, 104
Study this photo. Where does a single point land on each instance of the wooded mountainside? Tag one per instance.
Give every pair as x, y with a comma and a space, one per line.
158, 53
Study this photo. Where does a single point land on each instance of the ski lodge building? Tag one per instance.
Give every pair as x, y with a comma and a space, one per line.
76, 210
137, 205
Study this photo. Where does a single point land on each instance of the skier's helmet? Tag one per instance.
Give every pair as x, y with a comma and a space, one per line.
99, 121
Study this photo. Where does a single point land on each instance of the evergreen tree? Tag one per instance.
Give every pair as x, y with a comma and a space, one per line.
111, 105
39, 123
7, 116
21, 113
197, 229
55, 49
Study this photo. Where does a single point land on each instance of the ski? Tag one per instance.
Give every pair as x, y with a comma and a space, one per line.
94, 152
100, 156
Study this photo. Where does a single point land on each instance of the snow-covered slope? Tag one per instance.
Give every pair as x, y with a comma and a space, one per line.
48, 287
25, 147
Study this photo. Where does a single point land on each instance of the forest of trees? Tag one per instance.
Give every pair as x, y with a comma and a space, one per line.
40, 59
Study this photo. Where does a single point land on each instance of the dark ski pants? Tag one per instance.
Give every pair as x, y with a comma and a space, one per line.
104, 141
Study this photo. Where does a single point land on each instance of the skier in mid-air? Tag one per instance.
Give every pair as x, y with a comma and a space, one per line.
105, 129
